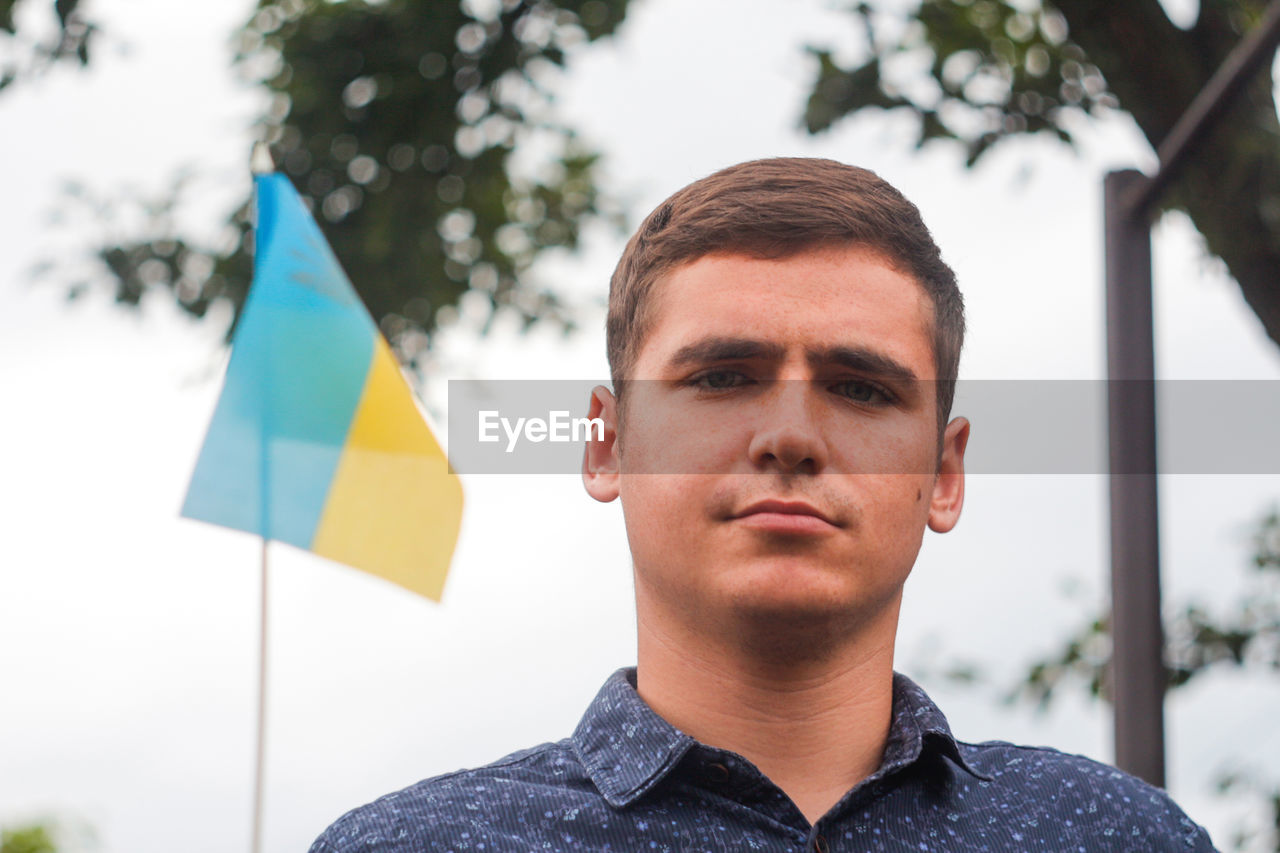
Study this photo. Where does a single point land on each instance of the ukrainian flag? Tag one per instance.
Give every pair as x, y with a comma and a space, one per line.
316, 440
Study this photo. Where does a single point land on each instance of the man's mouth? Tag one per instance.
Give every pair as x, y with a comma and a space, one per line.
787, 517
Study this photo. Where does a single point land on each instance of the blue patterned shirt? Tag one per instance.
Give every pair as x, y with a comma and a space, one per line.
629, 781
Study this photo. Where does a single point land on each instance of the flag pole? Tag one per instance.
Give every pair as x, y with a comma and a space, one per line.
260, 163
271, 341
260, 763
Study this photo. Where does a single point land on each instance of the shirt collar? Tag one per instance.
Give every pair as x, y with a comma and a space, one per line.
917, 725
626, 748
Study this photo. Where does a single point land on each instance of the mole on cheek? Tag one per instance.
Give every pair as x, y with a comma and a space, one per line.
919, 494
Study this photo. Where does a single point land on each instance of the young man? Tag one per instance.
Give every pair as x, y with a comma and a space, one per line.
784, 339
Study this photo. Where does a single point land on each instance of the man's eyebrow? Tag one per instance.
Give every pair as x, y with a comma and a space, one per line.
862, 360
710, 350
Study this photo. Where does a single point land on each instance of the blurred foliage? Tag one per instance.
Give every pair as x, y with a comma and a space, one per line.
996, 71
35, 838
25, 57
1196, 639
420, 132
979, 72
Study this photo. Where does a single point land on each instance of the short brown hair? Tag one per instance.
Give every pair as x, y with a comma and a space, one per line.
773, 209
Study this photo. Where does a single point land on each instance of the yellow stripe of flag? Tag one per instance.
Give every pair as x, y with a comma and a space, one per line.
393, 507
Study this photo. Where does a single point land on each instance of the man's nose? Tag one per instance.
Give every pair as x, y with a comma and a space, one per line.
788, 436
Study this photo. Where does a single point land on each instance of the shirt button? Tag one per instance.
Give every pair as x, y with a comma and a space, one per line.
820, 845
717, 773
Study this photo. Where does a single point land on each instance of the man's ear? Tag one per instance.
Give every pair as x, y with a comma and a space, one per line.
948, 487
600, 458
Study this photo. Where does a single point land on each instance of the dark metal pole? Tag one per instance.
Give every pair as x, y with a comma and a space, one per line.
1138, 676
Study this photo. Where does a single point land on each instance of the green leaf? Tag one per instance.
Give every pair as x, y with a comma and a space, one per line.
35, 838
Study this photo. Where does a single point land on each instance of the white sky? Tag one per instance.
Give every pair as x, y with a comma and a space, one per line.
128, 636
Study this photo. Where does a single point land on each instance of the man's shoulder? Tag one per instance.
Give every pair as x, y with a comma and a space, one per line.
459, 806
1084, 795
1013, 764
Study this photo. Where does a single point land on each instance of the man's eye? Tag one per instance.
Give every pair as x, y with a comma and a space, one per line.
718, 380
862, 392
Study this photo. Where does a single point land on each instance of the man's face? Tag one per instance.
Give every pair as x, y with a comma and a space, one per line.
778, 455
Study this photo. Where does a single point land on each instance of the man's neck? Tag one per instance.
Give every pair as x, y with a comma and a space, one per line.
816, 728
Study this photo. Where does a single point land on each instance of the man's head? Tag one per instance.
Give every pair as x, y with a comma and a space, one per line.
777, 327
774, 209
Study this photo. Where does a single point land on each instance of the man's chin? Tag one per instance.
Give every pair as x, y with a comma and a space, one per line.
793, 588
798, 618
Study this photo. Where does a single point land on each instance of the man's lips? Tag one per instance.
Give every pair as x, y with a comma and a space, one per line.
786, 517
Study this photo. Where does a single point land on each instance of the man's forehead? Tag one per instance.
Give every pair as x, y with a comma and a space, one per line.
749, 288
